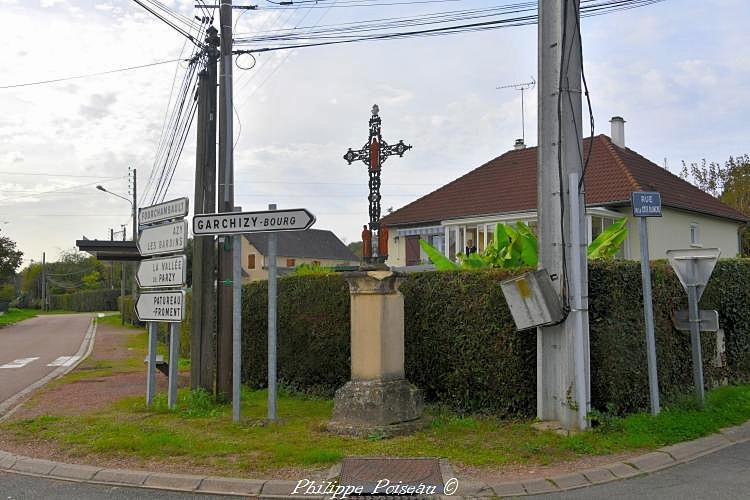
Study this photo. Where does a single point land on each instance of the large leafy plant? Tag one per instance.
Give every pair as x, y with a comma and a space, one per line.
516, 246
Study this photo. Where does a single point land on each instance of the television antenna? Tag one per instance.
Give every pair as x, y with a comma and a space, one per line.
522, 87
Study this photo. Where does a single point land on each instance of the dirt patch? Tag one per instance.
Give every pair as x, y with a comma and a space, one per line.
97, 393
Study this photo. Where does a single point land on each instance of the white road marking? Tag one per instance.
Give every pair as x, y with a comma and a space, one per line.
19, 363
64, 361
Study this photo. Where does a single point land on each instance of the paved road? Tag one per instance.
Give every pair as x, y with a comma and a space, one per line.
722, 475
28, 348
19, 487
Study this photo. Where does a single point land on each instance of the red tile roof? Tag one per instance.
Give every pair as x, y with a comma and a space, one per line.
509, 184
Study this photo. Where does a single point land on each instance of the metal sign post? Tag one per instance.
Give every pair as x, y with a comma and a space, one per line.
238, 223
272, 315
164, 232
648, 204
236, 325
693, 268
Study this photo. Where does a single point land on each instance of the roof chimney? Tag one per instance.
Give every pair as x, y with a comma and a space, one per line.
618, 130
519, 144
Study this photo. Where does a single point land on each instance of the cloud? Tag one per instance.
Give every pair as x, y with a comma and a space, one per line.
98, 106
12, 157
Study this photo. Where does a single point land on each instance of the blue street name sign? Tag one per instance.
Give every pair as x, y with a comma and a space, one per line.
646, 204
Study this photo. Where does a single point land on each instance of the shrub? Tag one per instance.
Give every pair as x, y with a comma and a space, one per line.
86, 301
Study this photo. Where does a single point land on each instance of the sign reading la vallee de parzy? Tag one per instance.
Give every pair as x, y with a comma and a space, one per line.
162, 271
646, 204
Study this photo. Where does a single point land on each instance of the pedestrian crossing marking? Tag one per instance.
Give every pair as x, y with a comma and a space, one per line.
64, 361
19, 363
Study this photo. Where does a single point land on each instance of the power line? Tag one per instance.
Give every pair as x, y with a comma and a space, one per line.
100, 73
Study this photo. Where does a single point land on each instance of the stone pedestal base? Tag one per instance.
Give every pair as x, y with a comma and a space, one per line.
386, 407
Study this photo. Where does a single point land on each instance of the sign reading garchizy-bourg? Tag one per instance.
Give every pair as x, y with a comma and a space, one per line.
162, 271
163, 239
298, 219
172, 209
646, 204
168, 306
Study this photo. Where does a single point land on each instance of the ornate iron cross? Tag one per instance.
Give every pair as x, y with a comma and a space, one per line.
374, 154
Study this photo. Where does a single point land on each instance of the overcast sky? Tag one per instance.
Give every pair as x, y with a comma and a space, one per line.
678, 72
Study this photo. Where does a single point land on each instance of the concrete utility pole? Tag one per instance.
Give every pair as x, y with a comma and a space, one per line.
560, 151
44, 281
226, 204
204, 256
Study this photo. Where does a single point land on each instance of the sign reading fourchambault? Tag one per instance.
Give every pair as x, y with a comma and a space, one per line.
163, 233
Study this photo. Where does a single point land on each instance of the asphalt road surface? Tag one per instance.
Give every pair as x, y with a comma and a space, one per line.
19, 487
36, 347
723, 475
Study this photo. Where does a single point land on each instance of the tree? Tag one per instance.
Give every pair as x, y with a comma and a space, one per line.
10, 258
730, 183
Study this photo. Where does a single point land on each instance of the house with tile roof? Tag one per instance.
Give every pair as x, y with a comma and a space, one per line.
505, 190
314, 246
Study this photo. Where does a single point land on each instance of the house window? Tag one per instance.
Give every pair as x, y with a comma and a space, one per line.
695, 236
289, 262
251, 261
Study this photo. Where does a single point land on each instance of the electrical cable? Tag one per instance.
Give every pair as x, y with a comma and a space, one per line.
100, 73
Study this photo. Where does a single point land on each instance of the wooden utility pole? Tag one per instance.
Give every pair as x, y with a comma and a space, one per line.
226, 204
203, 321
560, 151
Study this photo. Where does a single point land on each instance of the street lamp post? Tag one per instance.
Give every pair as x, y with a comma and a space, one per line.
133, 237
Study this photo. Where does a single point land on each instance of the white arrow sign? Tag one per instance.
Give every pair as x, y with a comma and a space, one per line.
298, 219
161, 306
164, 271
694, 266
172, 209
164, 239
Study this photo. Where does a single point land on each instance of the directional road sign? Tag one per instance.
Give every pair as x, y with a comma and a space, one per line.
172, 209
164, 239
161, 306
709, 320
646, 204
163, 271
298, 219
694, 266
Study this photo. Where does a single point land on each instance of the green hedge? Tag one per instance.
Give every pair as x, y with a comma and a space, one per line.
86, 301
462, 349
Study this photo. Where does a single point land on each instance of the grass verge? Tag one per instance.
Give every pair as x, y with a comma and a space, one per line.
200, 433
15, 315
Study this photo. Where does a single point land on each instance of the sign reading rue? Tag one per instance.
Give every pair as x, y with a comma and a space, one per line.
646, 204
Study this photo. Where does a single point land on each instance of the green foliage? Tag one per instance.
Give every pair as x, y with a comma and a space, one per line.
463, 351
7, 293
10, 258
312, 270
515, 246
609, 241
313, 332
86, 301
92, 280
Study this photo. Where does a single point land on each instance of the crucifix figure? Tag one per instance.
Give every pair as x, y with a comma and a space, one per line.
374, 154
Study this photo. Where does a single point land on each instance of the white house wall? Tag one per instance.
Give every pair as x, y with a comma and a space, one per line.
672, 231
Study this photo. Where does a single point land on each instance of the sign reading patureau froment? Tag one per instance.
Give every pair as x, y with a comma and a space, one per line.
173, 209
297, 219
162, 271
161, 306
163, 239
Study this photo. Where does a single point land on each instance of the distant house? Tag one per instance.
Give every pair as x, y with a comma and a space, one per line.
314, 246
505, 190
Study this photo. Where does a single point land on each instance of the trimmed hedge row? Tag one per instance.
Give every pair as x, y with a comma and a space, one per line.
462, 349
86, 301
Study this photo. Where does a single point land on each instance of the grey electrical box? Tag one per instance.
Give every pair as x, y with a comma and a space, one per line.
532, 300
